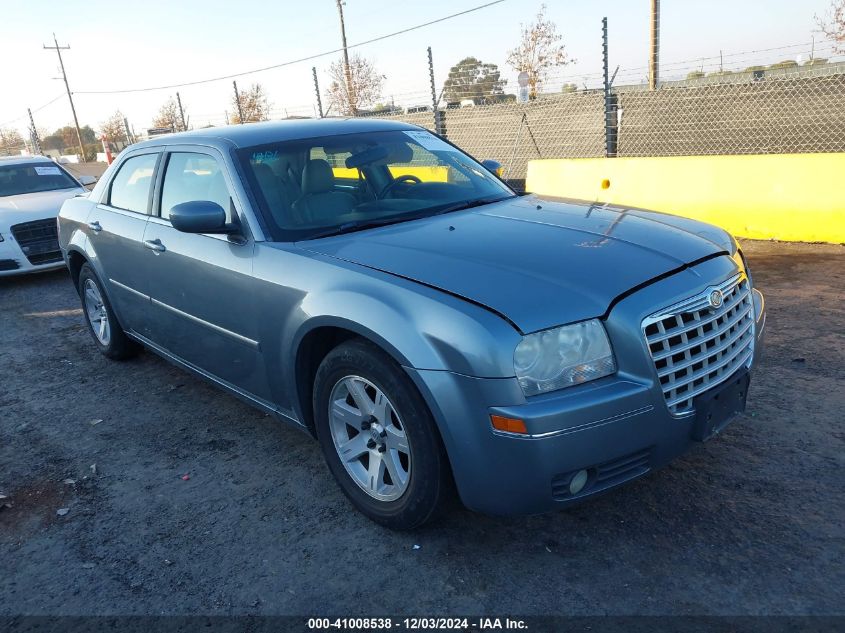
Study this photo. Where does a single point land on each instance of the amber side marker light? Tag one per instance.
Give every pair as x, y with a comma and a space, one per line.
510, 425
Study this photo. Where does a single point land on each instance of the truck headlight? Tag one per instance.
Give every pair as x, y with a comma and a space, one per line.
562, 357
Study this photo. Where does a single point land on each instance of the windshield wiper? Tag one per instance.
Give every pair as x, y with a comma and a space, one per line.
472, 204
359, 225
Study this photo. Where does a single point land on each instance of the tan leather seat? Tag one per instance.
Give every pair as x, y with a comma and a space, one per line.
320, 202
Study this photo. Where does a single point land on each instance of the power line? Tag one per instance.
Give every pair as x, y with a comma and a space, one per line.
34, 110
293, 61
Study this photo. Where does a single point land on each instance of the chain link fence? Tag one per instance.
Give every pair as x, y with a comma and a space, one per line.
792, 109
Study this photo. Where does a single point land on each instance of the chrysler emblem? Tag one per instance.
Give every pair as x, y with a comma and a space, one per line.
716, 298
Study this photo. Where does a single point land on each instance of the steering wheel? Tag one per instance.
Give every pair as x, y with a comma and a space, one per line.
396, 181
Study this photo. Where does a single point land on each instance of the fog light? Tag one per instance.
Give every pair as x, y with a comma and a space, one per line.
578, 481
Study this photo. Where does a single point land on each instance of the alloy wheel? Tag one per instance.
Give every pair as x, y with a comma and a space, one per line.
95, 310
370, 438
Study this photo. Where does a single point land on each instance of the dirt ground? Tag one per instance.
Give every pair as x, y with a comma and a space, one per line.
749, 523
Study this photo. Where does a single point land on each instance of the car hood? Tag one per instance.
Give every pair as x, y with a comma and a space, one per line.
32, 206
537, 262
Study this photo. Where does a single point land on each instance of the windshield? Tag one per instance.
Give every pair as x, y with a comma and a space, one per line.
33, 177
323, 186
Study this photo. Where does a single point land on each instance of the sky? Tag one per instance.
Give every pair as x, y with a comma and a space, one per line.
118, 45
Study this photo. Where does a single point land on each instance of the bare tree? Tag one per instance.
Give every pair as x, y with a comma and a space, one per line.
539, 51
168, 116
11, 141
253, 104
366, 83
114, 129
833, 24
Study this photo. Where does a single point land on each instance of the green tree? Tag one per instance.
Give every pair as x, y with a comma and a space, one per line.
64, 139
472, 79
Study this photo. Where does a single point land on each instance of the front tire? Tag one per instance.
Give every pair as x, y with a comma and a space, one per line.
102, 322
378, 437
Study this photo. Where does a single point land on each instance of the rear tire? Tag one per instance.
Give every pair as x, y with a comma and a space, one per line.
379, 438
102, 323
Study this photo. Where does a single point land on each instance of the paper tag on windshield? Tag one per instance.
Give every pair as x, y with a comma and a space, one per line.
430, 142
48, 171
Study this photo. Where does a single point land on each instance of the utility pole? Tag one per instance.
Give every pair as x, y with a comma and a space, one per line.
59, 50
33, 133
181, 112
238, 101
347, 71
654, 53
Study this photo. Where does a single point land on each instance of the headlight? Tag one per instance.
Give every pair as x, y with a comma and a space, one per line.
562, 357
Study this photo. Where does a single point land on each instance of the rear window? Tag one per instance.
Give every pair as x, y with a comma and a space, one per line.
130, 188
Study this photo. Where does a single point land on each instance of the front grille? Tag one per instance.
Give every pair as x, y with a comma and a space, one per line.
9, 264
696, 346
604, 476
39, 241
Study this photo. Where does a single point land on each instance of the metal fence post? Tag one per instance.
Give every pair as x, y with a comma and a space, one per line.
317, 91
438, 126
33, 134
130, 138
181, 112
238, 101
609, 100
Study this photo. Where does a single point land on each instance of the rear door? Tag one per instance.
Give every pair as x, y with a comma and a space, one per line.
115, 232
202, 304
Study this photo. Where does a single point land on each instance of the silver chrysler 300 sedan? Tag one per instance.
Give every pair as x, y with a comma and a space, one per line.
372, 284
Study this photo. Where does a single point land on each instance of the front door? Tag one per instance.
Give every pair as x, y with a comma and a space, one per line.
202, 308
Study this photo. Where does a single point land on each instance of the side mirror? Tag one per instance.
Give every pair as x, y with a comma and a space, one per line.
86, 180
492, 166
199, 216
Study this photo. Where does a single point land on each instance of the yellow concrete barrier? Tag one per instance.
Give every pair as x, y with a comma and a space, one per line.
793, 197
433, 173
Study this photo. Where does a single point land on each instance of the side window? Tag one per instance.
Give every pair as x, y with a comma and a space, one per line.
130, 188
190, 177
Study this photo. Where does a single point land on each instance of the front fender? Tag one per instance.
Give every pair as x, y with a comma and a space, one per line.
420, 327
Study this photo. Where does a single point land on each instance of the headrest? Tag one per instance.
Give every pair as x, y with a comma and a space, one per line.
317, 177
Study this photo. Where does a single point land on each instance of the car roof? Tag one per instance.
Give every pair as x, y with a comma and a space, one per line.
14, 160
251, 134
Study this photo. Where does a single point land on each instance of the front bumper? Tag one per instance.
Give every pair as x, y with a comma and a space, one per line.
14, 261
618, 428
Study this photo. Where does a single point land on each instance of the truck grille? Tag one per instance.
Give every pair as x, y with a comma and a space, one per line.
39, 241
696, 344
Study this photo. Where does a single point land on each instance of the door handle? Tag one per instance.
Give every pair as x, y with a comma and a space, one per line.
95, 226
155, 245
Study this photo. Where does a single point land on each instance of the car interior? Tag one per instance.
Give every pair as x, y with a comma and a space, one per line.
312, 186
